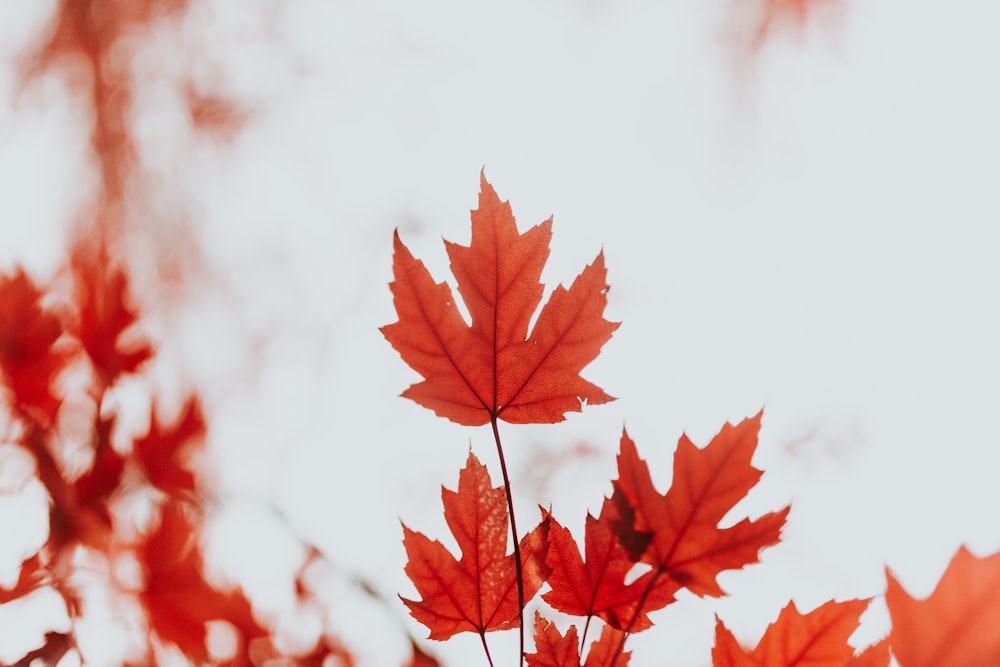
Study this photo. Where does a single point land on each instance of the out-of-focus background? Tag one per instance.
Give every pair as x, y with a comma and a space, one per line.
798, 203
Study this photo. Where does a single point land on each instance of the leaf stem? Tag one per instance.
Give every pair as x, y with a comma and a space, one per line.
517, 547
489, 658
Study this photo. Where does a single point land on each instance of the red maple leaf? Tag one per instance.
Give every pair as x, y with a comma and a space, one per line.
958, 624
177, 598
28, 358
492, 369
816, 639
161, 452
105, 315
686, 542
479, 592
597, 586
553, 649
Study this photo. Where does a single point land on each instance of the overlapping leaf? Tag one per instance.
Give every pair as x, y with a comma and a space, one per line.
492, 368
597, 586
477, 593
958, 625
554, 649
816, 639
685, 540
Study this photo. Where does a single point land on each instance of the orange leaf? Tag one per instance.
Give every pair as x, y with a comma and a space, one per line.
479, 592
958, 625
816, 639
687, 543
492, 368
597, 586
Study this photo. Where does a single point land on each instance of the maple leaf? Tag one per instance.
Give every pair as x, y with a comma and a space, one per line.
597, 586
816, 639
686, 542
957, 624
479, 592
177, 599
160, 452
28, 358
492, 369
33, 575
104, 314
553, 649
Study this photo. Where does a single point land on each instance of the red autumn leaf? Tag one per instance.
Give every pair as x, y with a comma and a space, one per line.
479, 592
687, 543
553, 649
957, 625
104, 314
419, 658
161, 452
51, 652
493, 368
177, 599
597, 586
27, 357
79, 511
32, 576
816, 639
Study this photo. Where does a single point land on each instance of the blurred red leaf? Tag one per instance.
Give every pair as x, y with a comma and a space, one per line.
479, 592
177, 599
816, 639
958, 624
31, 577
493, 368
28, 359
687, 543
105, 314
162, 452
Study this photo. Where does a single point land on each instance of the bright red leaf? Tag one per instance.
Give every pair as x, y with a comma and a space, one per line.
553, 649
687, 543
816, 639
493, 368
958, 625
597, 586
479, 592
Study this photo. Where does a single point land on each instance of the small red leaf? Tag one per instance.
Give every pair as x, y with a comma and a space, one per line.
479, 592
105, 315
162, 452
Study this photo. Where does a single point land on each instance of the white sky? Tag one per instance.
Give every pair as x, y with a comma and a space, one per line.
816, 234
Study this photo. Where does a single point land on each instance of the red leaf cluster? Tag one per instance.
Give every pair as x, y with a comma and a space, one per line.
60, 356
